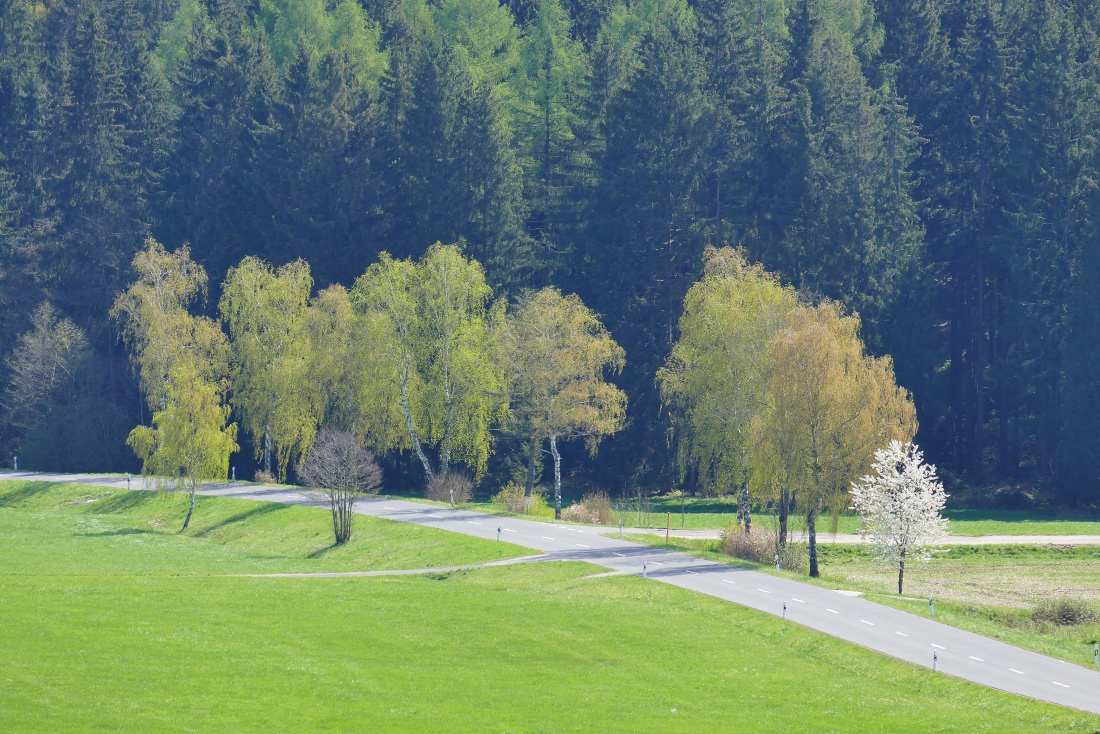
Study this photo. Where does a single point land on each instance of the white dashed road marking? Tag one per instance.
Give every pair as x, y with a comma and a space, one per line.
764, 590
797, 600
901, 633
974, 658
1059, 684
582, 545
831, 610
545, 538
1017, 672
729, 582
939, 646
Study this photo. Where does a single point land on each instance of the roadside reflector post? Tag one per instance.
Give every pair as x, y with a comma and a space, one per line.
127, 481
934, 659
645, 571
498, 532
16, 460
931, 607
784, 611
776, 561
234, 474
620, 528
1096, 654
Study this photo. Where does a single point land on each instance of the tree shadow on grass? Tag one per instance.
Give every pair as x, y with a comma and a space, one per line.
322, 552
120, 531
259, 511
17, 497
121, 502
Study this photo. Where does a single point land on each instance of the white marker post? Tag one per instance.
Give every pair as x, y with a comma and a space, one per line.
498, 532
776, 561
645, 571
16, 463
934, 659
1096, 654
931, 607
234, 474
127, 481
784, 611
620, 528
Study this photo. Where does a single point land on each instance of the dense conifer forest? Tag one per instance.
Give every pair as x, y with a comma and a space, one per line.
931, 165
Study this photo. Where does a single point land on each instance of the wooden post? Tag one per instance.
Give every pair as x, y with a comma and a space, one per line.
668, 525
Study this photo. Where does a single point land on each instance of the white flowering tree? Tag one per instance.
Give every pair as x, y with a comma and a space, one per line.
900, 503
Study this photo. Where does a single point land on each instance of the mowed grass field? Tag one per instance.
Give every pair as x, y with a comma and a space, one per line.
102, 629
719, 513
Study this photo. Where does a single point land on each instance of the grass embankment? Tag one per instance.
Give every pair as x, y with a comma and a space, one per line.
58, 528
101, 632
994, 590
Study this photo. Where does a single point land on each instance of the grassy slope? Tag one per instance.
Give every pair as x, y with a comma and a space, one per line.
65, 528
97, 634
1011, 580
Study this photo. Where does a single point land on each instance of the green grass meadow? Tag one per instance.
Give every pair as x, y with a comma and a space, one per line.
106, 629
719, 513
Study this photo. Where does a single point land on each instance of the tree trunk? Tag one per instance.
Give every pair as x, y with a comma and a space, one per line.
811, 525
784, 516
532, 454
901, 571
335, 505
267, 449
746, 516
557, 476
409, 422
190, 511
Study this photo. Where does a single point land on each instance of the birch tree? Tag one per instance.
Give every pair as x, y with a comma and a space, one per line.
900, 504
182, 364
715, 379
280, 406
829, 406
429, 366
556, 353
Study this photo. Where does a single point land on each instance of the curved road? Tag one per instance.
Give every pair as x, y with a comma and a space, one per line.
902, 635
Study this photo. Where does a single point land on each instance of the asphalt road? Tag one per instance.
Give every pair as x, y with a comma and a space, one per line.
910, 637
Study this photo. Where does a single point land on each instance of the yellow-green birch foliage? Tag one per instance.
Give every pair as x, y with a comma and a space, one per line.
183, 365
715, 379
280, 406
830, 406
328, 329
155, 324
556, 353
427, 362
190, 440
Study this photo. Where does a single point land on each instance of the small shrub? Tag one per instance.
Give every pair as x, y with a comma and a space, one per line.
539, 506
595, 509
1064, 612
759, 547
512, 499
440, 488
264, 477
